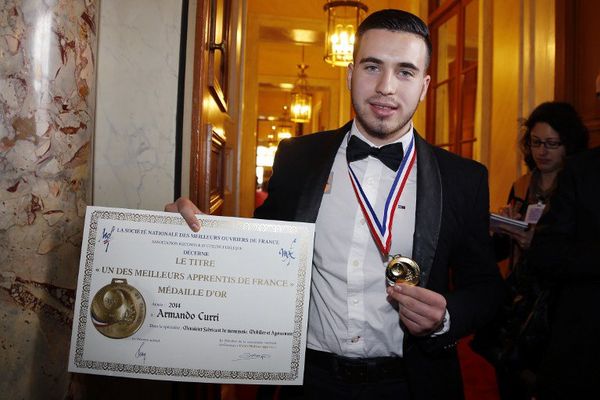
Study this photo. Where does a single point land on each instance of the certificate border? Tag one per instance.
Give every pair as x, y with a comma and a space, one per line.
189, 373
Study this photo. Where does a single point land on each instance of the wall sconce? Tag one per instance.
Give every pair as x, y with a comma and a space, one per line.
301, 107
343, 18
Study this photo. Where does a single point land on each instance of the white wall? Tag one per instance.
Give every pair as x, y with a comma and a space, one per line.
134, 144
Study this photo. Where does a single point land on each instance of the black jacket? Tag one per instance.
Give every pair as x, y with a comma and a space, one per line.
451, 242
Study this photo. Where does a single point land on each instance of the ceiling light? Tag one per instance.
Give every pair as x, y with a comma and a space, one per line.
343, 18
301, 107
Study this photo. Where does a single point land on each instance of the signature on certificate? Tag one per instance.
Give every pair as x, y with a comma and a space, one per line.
251, 356
287, 255
106, 237
140, 353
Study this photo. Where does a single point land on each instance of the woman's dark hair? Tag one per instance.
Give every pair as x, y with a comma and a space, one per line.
395, 21
563, 118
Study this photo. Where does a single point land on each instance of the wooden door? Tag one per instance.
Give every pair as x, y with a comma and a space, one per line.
578, 60
211, 122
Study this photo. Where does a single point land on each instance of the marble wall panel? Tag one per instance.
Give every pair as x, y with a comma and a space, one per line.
138, 61
47, 100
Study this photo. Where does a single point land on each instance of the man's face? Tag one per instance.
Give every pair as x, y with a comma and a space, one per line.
387, 82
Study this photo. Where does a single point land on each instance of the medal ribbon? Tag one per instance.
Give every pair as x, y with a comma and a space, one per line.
382, 230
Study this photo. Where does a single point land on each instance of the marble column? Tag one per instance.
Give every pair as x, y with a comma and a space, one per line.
137, 75
47, 95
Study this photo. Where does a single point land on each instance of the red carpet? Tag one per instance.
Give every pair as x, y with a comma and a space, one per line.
478, 375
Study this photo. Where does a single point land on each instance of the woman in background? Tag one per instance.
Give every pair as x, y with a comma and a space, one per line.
553, 132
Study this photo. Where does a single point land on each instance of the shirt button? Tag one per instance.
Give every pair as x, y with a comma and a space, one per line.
362, 221
355, 339
355, 301
355, 263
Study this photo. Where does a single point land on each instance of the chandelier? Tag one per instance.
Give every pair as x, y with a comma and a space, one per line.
301, 108
284, 131
285, 127
343, 18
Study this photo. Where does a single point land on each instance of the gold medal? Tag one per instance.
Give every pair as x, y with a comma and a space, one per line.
402, 270
118, 310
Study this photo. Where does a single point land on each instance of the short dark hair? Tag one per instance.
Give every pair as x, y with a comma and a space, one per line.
395, 21
563, 118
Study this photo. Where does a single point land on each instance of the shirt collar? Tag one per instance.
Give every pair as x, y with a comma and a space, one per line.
405, 139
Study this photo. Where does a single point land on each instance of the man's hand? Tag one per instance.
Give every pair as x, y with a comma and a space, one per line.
188, 211
421, 310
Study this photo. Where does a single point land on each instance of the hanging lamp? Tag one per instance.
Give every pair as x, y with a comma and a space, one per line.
285, 126
301, 101
343, 18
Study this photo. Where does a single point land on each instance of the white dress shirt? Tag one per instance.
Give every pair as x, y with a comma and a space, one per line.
349, 312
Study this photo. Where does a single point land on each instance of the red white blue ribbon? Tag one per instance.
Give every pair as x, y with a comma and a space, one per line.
381, 230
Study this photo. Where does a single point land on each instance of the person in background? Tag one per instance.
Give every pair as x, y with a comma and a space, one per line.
566, 251
366, 340
553, 132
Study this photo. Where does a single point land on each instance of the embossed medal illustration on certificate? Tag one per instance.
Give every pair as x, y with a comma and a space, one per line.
227, 304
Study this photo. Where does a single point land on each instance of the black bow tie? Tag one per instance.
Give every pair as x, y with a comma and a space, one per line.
390, 155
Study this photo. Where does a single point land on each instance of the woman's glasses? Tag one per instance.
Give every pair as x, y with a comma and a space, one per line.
549, 144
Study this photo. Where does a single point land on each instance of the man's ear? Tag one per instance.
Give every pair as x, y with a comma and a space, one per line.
426, 81
349, 76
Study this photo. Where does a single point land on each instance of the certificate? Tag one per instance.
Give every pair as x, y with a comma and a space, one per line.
156, 300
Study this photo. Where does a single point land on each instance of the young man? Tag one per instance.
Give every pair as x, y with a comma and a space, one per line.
372, 206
